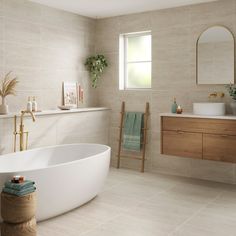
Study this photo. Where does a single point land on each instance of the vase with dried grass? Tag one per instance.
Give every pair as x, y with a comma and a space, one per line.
7, 88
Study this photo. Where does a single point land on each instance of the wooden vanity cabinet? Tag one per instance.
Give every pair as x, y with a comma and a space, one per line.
185, 144
219, 147
201, 138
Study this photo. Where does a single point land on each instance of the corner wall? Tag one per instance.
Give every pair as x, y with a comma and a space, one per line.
174, 35
44, 46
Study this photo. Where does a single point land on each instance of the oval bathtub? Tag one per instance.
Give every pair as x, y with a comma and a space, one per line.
66, 176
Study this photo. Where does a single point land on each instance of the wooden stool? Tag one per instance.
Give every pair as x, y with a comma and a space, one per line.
18, 214
22, 229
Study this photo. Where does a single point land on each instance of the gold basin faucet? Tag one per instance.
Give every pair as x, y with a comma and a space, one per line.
22, 132
216, 94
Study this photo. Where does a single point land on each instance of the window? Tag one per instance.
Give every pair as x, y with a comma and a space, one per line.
135, 61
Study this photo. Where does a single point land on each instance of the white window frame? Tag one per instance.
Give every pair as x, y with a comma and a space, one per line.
123, 73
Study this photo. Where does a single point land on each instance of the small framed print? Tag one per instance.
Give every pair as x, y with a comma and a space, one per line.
70, 94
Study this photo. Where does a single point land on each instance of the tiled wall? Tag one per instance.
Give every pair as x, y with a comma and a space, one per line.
174, 34
84, 127
44, 47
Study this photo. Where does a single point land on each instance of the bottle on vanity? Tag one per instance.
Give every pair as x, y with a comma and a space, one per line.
34, 105
29, 105
174, 106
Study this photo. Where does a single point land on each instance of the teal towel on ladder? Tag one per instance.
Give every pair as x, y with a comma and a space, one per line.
133, 125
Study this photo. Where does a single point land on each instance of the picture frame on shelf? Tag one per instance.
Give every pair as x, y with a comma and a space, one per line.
70, 98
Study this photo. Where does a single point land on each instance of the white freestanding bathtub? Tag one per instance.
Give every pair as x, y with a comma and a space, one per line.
66, 176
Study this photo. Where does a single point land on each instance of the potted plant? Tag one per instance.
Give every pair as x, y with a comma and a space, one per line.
96, 65
7, 87
232, 92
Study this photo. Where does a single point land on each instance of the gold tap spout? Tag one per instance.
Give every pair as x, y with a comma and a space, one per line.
26, 112
212, 95
216, 94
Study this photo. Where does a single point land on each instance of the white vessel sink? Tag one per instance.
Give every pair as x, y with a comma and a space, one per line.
209, 108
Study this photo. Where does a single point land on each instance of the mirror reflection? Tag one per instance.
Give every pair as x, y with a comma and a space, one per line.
215, 56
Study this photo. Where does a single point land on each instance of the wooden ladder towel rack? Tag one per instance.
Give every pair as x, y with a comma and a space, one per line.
144, 141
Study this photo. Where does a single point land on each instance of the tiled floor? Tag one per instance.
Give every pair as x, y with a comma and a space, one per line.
135, 204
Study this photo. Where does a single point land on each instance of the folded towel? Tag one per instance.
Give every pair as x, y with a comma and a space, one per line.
19, 193
19, 186
133, 131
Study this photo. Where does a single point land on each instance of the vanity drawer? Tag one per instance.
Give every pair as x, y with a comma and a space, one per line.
184, 144
211, 126
219, 147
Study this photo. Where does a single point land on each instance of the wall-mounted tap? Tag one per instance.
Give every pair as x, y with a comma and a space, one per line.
23, 142
216, 94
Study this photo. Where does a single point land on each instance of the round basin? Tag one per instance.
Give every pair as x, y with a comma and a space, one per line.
209, 108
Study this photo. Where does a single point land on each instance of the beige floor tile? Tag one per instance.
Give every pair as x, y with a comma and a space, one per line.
128, 226
190, 230
209, 223
149, 204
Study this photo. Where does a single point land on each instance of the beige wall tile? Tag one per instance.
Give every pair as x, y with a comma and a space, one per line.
22, 32
44, 46
22, 10
174, 35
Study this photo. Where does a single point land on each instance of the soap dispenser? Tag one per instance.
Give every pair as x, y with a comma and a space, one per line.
34, 105
29, 105
174, 106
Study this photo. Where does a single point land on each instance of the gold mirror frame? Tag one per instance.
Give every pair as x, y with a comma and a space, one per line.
197, 50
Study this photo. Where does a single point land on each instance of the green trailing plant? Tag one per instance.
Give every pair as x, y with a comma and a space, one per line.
96, 65
8, 86
232, 90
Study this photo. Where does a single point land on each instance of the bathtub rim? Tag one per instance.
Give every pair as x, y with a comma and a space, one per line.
56, 165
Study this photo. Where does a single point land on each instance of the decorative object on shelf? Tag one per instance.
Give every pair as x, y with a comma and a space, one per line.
174, 106
80, 94
65, 107
70, 94
34, 105
179, 110
29, 105
7, 88
232, 93
96, 65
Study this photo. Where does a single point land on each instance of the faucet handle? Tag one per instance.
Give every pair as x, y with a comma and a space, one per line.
220, 94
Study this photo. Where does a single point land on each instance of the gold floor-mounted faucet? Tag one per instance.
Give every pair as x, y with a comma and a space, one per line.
22, 132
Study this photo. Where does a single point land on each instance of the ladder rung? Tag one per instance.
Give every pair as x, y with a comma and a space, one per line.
123, 140
143, 113
144, 141
142, 128
131, 157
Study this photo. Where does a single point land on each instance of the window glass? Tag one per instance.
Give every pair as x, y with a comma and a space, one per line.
135, 61
139, 75
139, 48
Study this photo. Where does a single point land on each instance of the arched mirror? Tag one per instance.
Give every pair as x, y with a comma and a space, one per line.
215, 56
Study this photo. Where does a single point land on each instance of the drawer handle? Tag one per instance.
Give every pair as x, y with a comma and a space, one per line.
180, 132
